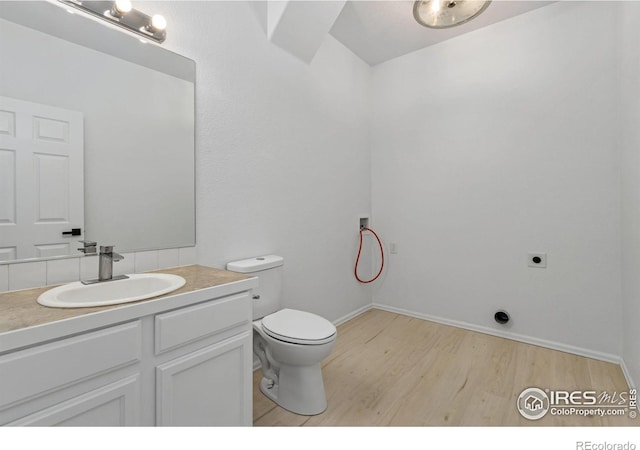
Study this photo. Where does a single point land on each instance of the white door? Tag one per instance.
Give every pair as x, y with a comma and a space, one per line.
41, 179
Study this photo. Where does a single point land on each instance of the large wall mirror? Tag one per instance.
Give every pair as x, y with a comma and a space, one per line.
96, 137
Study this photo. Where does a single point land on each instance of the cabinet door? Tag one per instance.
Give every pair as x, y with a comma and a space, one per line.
116, 404
209, 387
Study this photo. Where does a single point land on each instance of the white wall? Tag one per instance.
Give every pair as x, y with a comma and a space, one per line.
483, 148
629, 93
282, 154
491, 145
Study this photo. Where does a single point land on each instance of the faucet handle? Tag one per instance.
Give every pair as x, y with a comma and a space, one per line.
108, 250
88, 247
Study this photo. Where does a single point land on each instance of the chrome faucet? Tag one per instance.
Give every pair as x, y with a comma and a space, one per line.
105, 265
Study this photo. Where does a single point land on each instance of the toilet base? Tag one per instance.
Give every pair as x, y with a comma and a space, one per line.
269, 389
300, 389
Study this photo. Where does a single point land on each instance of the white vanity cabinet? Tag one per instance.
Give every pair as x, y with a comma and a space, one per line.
211, 385
178, 366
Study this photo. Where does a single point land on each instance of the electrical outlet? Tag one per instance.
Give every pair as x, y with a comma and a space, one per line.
393, 248
538, 260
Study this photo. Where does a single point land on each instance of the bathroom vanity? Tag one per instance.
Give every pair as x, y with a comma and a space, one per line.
182, 359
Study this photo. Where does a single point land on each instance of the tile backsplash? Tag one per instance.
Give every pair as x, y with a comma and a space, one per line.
27, 275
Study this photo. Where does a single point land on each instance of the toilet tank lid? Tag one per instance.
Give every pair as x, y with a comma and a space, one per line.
256, 264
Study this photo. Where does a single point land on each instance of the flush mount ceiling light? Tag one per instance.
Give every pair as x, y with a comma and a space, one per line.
447, 13
122, 14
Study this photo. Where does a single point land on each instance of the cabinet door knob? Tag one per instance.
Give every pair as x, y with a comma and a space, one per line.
256, 297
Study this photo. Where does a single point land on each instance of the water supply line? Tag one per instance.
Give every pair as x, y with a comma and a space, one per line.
355, 270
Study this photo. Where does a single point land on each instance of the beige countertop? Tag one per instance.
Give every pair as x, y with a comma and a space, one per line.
20, 309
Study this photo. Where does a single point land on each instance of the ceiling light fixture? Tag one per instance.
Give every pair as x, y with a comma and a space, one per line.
447, 13
122, 14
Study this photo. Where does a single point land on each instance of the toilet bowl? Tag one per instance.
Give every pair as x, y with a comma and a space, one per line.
289, 343
292, 376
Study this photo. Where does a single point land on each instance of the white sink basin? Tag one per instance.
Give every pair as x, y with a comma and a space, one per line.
136, 287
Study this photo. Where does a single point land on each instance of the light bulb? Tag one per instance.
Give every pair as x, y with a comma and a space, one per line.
121, 7
158, 23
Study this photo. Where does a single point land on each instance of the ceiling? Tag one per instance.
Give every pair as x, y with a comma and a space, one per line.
378, 31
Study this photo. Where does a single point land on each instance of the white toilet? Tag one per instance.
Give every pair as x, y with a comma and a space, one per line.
290, 344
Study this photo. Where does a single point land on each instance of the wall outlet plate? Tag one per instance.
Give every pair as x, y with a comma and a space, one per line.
537, 259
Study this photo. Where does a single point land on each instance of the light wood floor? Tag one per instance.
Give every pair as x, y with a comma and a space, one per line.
389, 369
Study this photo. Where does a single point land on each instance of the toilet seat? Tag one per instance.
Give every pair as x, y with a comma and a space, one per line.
298, 327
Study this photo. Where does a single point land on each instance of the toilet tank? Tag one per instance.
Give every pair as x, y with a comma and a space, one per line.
268, 294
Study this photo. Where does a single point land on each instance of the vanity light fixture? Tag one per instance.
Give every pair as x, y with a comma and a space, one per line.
447, 13
122, 14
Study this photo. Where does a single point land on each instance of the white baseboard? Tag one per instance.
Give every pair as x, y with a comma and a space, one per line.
627, 374
608, 357
352, 315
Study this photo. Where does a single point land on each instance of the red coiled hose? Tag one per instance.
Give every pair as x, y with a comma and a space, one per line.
355, 270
